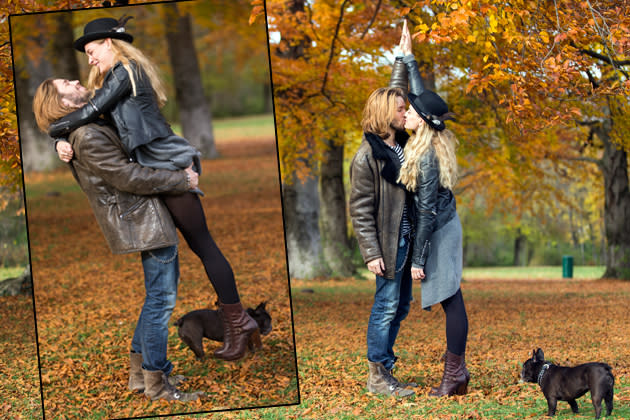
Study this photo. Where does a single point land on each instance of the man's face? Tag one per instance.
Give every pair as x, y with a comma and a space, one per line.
72, 93
399, 117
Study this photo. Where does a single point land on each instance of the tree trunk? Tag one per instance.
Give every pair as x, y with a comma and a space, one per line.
37, 151
301, 216
194, 112
520, 243
614, 165
333, 220
300, 198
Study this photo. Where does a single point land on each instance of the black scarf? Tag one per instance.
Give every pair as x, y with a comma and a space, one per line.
381, 151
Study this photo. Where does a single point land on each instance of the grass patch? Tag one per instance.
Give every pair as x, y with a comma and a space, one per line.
533, 273
8, 272
238, 128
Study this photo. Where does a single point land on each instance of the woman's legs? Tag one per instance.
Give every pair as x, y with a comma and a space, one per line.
239, 327
456, 377
456, 323
189, 218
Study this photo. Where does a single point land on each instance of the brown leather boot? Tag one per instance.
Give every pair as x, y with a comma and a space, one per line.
158, 386
136, 379
455, 378
239, 329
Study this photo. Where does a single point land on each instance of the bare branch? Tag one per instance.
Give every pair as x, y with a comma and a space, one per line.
371, 22
332, 49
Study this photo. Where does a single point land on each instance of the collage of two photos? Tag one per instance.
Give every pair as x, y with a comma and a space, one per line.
313, 209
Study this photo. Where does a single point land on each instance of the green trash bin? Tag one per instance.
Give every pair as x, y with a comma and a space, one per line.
567, 266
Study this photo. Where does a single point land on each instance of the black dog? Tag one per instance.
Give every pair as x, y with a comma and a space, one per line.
568, 383
209, 323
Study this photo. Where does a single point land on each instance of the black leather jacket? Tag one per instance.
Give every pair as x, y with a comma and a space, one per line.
137, 118
434, 205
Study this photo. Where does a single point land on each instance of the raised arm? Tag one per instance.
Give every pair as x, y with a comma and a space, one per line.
116, 86
405, 73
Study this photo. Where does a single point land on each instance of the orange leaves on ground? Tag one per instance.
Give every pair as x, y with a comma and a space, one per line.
573, 321
88, 300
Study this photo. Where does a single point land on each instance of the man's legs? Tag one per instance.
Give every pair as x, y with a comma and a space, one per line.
161, 277
391, 305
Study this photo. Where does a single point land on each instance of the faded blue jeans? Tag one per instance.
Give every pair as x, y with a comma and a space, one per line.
161, 277
392, 301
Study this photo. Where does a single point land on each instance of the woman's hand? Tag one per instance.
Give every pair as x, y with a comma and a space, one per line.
193, 177
64, 150
377, 266
417, 273
405, 40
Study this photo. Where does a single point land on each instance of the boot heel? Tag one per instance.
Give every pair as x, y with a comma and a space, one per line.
462, 389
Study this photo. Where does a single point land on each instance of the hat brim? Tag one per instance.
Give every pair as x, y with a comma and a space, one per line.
424, 114
80, 43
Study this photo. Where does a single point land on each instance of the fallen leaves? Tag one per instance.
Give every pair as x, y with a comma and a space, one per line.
88, 300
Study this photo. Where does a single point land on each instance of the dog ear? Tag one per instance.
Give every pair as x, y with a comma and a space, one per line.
539, 354
261, 305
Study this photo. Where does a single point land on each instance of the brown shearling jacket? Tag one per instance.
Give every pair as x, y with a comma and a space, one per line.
122, 193
377, 200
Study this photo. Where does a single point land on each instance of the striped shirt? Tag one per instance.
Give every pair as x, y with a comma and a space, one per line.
405, 225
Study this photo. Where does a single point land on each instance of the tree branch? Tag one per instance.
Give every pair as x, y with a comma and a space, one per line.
332, 49
371, 22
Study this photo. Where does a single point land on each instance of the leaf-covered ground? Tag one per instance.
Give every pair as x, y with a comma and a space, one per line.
573, 321
86, 316
88, 300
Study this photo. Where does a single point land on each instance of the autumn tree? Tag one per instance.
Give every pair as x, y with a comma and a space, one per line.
541, 90
326, 58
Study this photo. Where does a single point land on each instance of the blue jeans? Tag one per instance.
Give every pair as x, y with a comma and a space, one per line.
161, 277
392, 301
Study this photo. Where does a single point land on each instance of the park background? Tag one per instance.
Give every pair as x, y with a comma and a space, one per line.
540, 90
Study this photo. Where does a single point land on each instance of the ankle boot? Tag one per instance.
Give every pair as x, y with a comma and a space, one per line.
239, 329
136, 377
158, 386
380, 381
455, 378
136, 380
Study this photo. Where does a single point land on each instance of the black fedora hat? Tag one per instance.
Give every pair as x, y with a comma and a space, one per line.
103, 28
431, 108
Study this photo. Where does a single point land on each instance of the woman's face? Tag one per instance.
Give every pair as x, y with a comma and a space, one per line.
100, 54
412, 119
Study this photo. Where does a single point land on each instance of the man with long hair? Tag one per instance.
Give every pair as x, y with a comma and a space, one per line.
378, 208
123, 197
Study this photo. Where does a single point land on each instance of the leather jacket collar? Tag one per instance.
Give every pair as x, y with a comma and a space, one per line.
380, 151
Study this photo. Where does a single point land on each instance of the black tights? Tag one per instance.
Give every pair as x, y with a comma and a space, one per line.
456, 323
189, 218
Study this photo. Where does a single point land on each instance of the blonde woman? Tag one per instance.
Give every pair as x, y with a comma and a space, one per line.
429, 172
130, 94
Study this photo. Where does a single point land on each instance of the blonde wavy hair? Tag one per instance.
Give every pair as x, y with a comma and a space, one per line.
48, 105
125, 52
444, 143
380, 110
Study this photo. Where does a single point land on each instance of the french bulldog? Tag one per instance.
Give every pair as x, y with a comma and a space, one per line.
208, 323
569, 383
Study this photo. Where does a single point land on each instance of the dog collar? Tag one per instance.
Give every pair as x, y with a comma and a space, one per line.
542, 372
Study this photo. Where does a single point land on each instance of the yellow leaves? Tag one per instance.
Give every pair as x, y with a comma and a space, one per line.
492, 23
258, 9
544, 36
